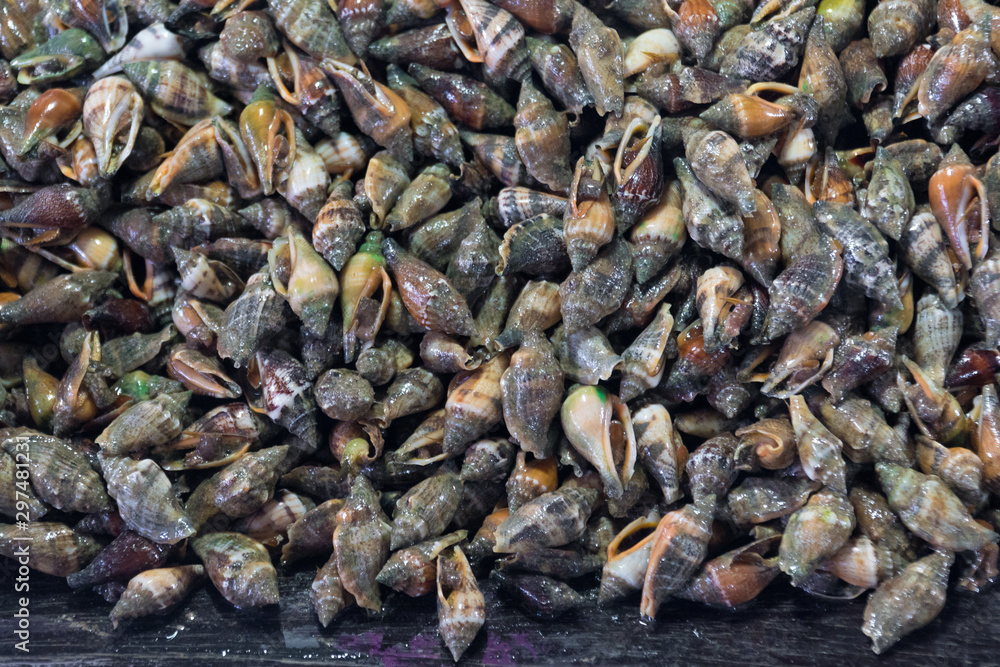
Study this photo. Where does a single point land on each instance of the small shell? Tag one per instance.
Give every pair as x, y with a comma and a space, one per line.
679, 545
530, 479
560, 74
659, 234
860, 359
434, 134
112, 115
473, 267
599, 427
146, 500
716, 160
55, 549
312, 533
466, 100
762, 499
461, 605
534, 247
239, 489
542, 139
708, 222
865, 252
426, 195
819, 450
176, 92
748, 116
127, 555
984, 282
660, 450
60, 475
201, 374
413, 570
931, 510
864, 432
377, 111
955, 71
490, 459
773, 49
550, 520
907, 602
803, 289
425, 510
428, 295
413, 390
735, 577
430, 46
361, 544
531, 393
270, 523
598, 290
239, 567
601, 58
711, 468
285, 393
814, 533
889, 202
498, 153
958, 467
327, 592
155, 591
638, 171
797, 362
474, 405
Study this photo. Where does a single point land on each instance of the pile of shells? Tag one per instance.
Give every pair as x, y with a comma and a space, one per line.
673, 296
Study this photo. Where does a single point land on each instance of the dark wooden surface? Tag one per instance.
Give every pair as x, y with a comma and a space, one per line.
783, 626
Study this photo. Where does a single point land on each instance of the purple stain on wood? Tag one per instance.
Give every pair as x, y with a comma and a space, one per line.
523, 641
368, 642
507, 650
421, 647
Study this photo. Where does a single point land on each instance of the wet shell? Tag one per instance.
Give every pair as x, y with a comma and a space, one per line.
500, 38
56, 548
425, 510
708, 222
428, 295
560, 74
239, 567
461, 605
601, 58
312, 533
146, 499
474, 404
60, 474
550, 520
413, 570
542, 137
931, 510
599, 426
112, 115
466, 100
814, 533
679, 544
907, 602
534, 247
156, 591
660, 450
531, 394
145, 425
819, 450
361, 544
598, 290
